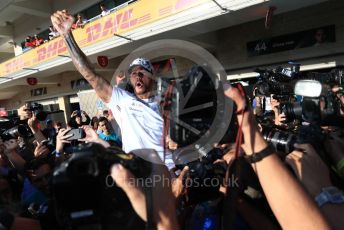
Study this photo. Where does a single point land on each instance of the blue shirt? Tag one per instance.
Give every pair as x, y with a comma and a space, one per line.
110, 137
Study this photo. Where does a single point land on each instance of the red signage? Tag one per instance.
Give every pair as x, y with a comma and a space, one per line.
31, 80
103, 61
3, 112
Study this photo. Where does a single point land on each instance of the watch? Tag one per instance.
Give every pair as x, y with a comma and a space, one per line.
330, 195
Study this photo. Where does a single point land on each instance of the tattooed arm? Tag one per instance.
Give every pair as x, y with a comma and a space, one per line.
63, 21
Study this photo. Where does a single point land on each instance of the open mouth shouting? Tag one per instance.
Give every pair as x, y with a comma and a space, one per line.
139, 84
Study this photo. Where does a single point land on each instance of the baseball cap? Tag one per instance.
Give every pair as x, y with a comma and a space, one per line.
143, 62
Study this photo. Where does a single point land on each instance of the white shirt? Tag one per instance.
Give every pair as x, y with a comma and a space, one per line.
140, 121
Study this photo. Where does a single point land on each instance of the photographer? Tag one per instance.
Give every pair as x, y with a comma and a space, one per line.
76, 119
27, 117
291, 205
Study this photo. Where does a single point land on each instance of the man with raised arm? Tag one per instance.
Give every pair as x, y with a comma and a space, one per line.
137, 114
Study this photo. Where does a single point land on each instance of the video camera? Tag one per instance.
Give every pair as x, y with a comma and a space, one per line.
83, 195
276, 81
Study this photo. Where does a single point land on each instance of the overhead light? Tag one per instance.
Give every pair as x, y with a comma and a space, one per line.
240, 4
242, 75
323, 65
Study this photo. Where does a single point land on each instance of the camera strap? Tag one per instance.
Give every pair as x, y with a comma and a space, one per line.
165, 108
233, 168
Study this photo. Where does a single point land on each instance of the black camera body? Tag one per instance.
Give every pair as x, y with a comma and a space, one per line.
322, 110
9, 129
38, 111
204, 177
276, 81
85, 195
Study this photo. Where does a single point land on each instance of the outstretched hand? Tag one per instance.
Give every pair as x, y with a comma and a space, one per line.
62, 21
309, 168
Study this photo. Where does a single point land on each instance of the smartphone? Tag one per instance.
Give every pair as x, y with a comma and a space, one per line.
77, 134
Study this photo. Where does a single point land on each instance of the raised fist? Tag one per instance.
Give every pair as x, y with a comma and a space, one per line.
62, 21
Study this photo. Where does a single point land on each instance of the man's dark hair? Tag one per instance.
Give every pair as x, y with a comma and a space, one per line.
101, 119
38, 162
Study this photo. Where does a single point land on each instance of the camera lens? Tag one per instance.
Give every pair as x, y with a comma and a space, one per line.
282, 141
292, 111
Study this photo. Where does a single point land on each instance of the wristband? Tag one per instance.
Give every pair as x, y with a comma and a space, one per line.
57, 153
255, 157
340, 165
330, 195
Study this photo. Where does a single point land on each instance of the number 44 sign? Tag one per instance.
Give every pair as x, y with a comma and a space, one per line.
260, 47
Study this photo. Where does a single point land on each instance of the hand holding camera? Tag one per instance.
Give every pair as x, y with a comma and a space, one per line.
41, 149
33, 123
61, 139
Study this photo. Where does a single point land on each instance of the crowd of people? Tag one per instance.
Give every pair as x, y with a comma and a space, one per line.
35, 41
261, 188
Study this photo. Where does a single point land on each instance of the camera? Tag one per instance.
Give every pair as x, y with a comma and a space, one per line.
15, 132
276, 81
291, 111
282, 141
81, 192
204, 177
319, 105
38, 111
10, 129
